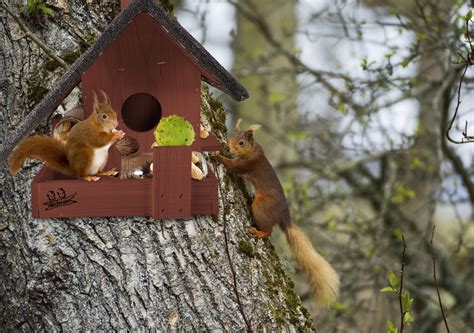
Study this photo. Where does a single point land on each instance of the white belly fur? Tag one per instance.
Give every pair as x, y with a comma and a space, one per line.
99, 160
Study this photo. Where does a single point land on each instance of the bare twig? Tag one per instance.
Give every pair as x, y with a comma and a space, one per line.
450, 125
28, 33
402, 270
468, 61
436, 280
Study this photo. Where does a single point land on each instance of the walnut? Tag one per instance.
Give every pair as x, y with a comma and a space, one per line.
127, 146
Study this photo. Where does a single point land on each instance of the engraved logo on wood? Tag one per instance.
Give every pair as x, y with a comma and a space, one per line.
59, 199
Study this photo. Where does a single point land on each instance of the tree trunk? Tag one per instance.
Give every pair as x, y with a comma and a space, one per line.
130, 274
273, 102
418, 169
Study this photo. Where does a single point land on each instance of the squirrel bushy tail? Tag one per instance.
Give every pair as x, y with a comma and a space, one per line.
322, 278
44, 148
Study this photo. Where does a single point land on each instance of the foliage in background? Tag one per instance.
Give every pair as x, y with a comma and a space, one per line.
376, 88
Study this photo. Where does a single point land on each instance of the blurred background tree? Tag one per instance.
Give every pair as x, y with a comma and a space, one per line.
355, 98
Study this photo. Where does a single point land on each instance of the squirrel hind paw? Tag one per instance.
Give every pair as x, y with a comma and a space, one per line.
257, 233
91, 178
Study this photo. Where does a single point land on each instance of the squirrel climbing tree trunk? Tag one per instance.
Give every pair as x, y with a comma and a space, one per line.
122, 273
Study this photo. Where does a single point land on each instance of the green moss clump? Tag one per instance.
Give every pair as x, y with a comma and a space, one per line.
168, 5
87, 42
246, 248
36, 94
214, 112
292, 301
71, 57
51, 65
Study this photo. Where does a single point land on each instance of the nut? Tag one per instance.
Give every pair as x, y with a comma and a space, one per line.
127, 146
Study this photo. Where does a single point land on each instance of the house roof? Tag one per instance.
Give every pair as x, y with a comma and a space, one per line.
219, 77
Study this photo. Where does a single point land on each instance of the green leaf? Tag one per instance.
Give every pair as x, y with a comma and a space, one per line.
406, 300
342, 107
390, 327
397, 233
408, 318
405, 63
298, 135
370, 251
388, 290
297, 52
416, 163
468, 16
339, 307
394, 280
420, 36
276, 97
47, 10
365, 64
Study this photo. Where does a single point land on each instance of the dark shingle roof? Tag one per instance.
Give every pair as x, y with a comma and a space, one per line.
222, 79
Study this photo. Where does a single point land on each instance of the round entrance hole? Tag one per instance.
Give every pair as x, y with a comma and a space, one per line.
141, 112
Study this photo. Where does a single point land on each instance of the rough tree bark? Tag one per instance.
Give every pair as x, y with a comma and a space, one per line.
123, 273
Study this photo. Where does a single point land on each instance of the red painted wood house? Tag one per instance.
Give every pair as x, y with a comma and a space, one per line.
150, 67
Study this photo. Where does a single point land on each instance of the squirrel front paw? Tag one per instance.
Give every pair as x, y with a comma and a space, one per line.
118, 134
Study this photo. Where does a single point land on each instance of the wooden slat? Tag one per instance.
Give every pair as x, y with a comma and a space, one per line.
172, 182
210, 144
107, 197
204, 196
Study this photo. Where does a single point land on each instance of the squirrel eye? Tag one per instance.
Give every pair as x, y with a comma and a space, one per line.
104, 116
241, 142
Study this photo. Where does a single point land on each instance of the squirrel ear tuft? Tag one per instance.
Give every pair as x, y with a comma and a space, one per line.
106, 97
254, 127
237, 125
95, 102
248, 134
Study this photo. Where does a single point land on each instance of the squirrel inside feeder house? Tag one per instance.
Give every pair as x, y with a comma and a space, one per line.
270, 208
85, 152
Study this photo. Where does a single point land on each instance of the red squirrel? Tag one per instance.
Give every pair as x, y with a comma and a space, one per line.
270, 208
85, 152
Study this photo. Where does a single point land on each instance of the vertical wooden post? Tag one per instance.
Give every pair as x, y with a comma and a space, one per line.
172, 182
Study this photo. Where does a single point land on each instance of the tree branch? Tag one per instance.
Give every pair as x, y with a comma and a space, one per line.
28, 33
436, 280
402, 271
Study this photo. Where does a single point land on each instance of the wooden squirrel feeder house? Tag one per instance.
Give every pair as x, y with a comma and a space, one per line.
150, 67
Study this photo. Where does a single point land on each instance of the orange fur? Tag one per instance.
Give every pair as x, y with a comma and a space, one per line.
44, 148
270, 208
322, 278
74, 157
260, 198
